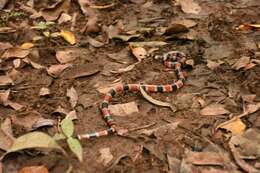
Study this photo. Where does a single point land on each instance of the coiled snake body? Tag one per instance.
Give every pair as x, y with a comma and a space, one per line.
173, 59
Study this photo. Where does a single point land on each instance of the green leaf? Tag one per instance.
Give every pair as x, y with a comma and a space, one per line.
34, 140
67, 127
59, 136
75, 147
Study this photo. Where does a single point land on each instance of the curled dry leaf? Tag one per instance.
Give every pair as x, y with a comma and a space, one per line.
105, 156
53, 12
34, 169
124, 109
68, 36
56, 70
241, 63
214, 109
189, 6
61, 111
66, 56
73, 96
156, 102
139, 52
64, 18
44, 91
236, 126
43, 123
27, 45
15, 53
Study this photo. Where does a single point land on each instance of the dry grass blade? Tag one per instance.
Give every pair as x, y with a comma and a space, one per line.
156, 102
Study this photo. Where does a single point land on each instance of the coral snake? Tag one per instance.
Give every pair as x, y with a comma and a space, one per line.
173, 59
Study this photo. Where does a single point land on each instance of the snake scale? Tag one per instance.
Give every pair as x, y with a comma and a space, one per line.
173, 59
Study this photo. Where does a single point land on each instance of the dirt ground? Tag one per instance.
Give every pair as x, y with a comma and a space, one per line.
224, 83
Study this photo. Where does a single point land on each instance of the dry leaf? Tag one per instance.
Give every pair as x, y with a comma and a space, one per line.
15, 53
175, 29
128, 68
64, 18
27, 45
140, 53
4, 97
17, 63
94, 42
186, 22
160, 130
213, 65
33, 64
236, 127
105, 156
15, 106
53, 12
242, 62
44, 91
43, 123
72, 115
6, 135
102, 6
26, 120
249, 98
214, 109
189, 6
156, 102
68, 36
4, 30
66, 56
6, 80
246, 27
5, 45
123, 109
60, 111
73, 96
34, 169
56, 70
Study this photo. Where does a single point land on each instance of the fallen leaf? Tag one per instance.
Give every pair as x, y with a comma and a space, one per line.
26, 120
102, 6
236, 127
246, 27
252, 108
64, 18
139, 52
104, 88
128, 68
68, 36
249, 98
249, 66
43, 123
214, 65
156, 102
242, 62
34, 169
186, 22
33, 64
214, 109
81, 70
92, 24
189, 6
4, 30
105, 156
73, 96
17, 63
15, 53
66, 56
94, 42
72, 115
6, 80
53, 12
60, 111
67, 127
5, 45
6, 135
147, 43
4, 97
123, 109
160, 131
56, 70
27, 45
44, 91
15, 106
175, 29
3, 3
174, 163
75, 147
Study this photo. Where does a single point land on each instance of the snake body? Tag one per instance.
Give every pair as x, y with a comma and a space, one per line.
173, 59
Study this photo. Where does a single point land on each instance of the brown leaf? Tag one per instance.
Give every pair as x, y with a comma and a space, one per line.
26, 120
15, 53
236, 127
128, 68
123, 109
3, 3
102, 6
52, 13
147, 43
43, 123
44, 91
56, 70
186, 22
105, 156
249, 98
15, 106
64, 18
68, 36
213, 65
66, 56
140, 53
81, 70
34, 169
33, 64
73, 96
4, 97
6, 135
72, 115
214, 109
104, 88
5, 80
94, 42
242, 62
160, 131
5, 45
189, 6
61, 111
247, 27
4, 30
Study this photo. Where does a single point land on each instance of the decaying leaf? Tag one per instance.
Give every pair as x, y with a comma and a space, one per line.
65, 56
236, 127
128, 68
26, 121
189, 6
248, 98
105, 156
94, 42
34, 169
68, 36
123, 109
64, 18
139, 52
44, 91
213, 65
67, 127
73, 96
75, 147
186, 22
4, 100
56, 70
15, 53
5, 80
33, 64
27, 45
241, 63
5, 45
156, 102
214, 109
6, 135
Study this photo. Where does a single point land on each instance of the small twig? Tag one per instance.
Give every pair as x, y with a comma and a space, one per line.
142, 127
